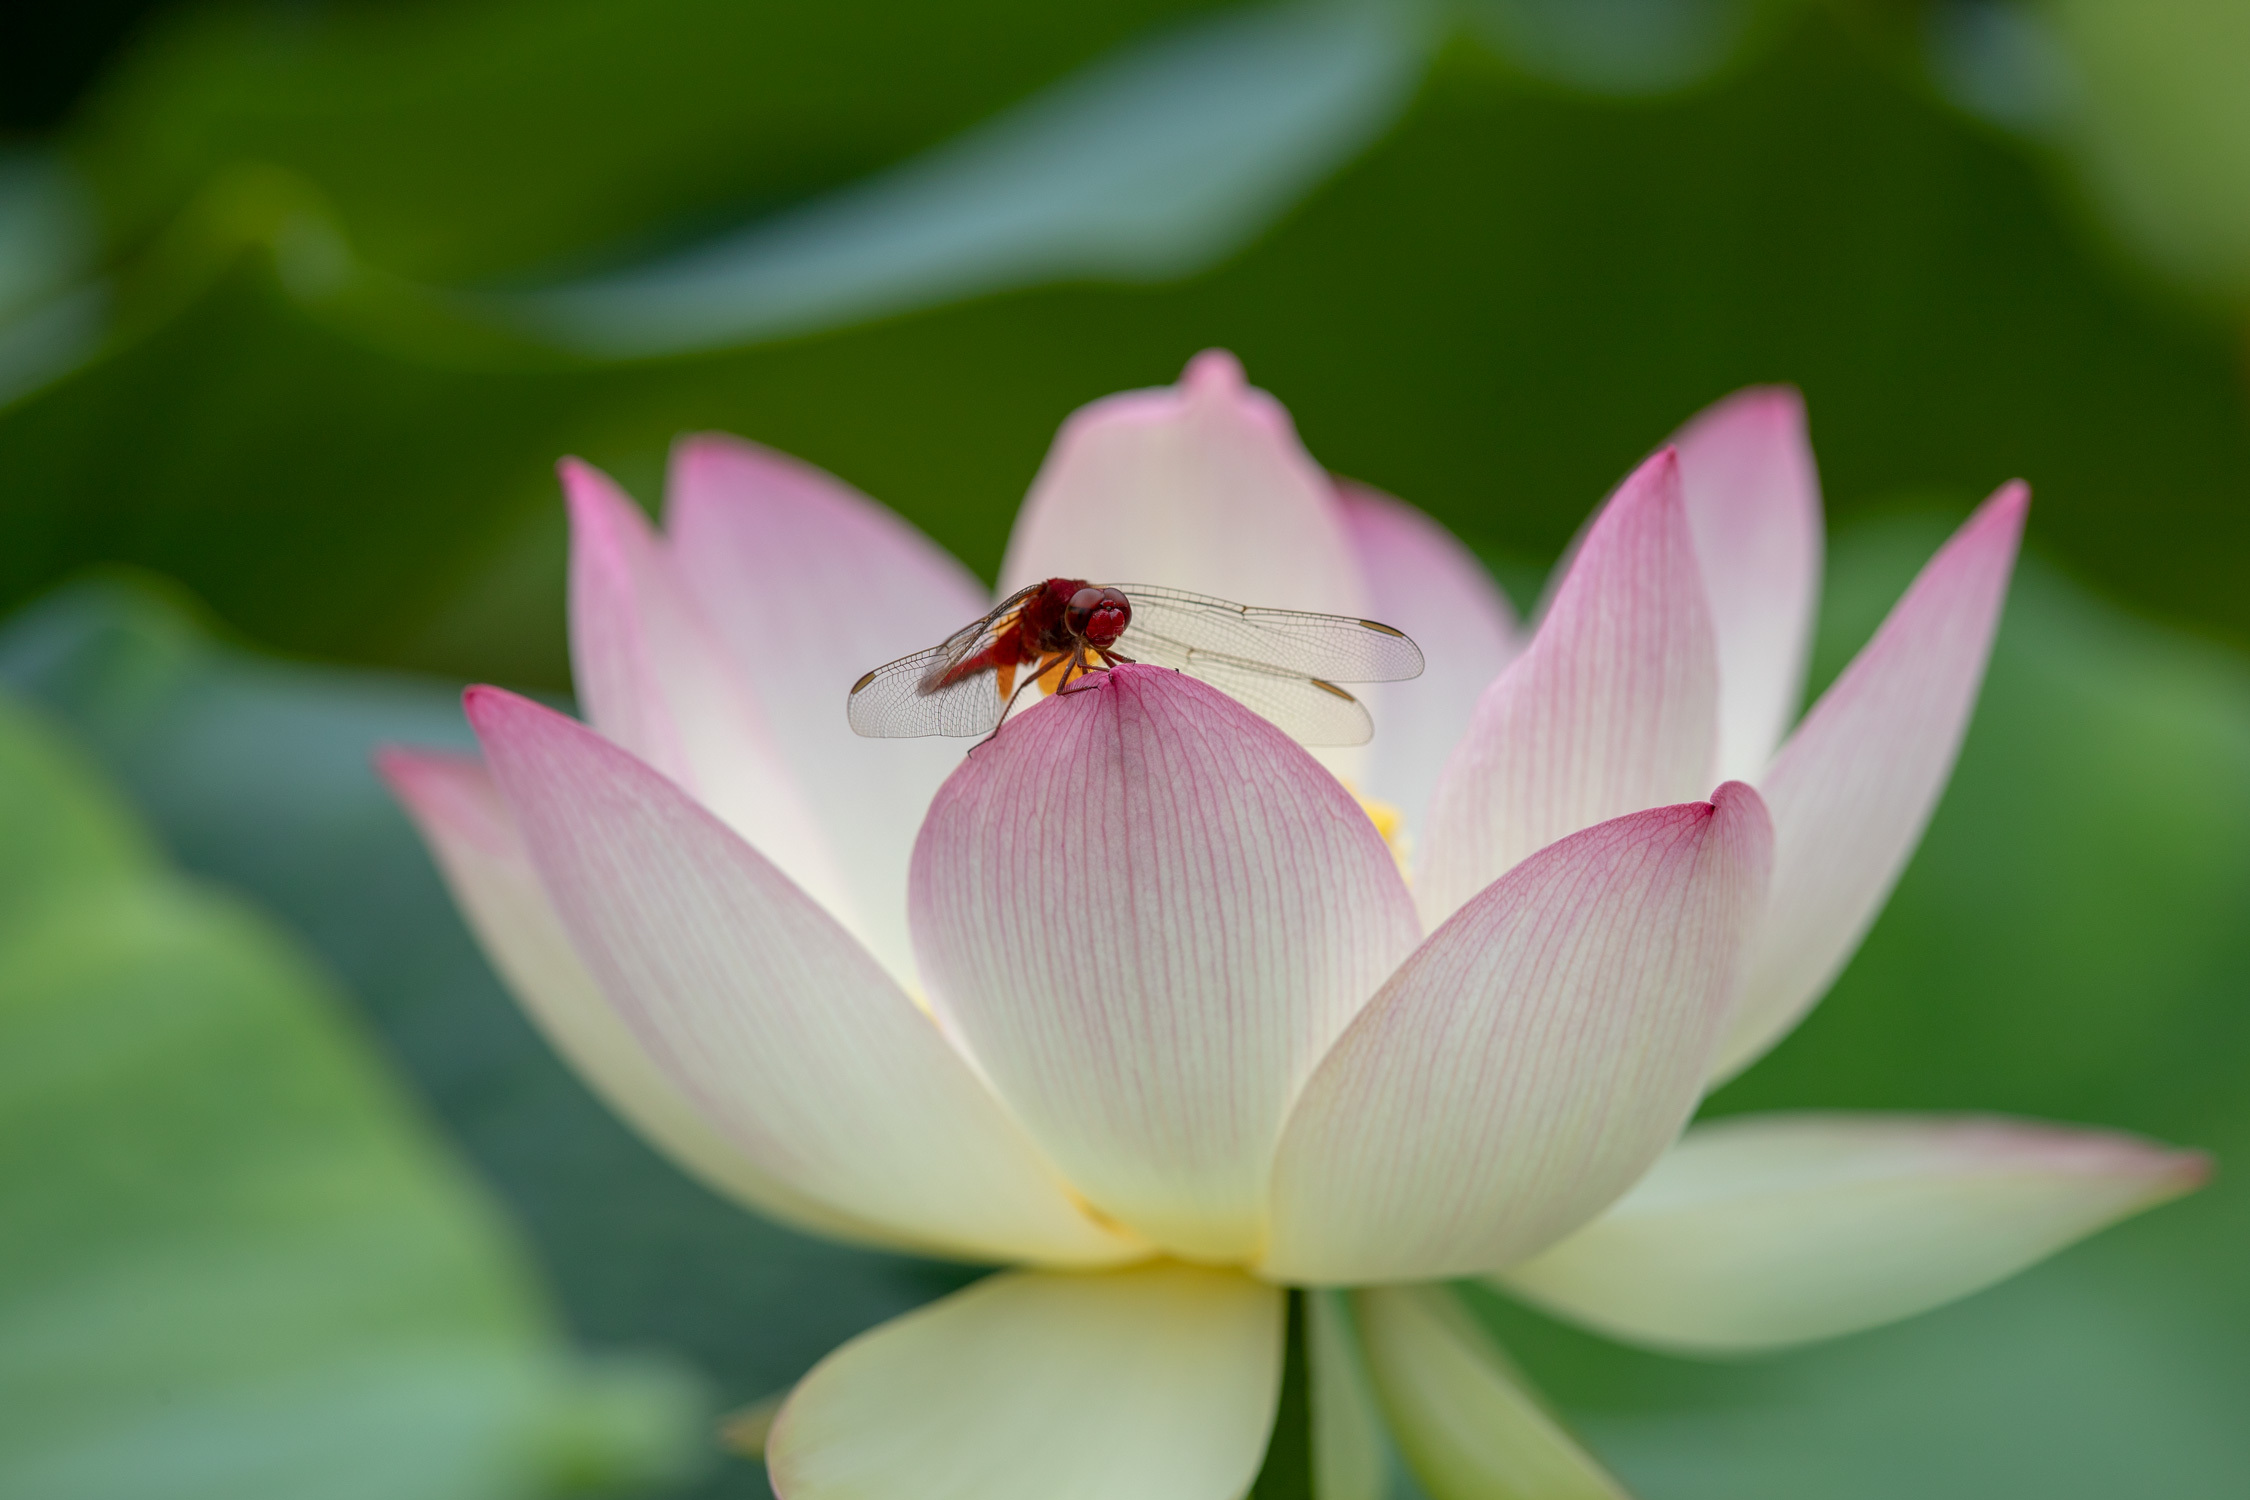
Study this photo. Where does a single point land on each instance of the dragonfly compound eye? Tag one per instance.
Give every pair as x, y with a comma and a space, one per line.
1098, 616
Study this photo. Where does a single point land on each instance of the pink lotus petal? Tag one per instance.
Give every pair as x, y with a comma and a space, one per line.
1156, 1383
461, 817
780, 1028
1766, 1230
807, 583
1202, 486
1423, 581
652, 678
1530, 1060
1147, 913
1613, 707
1753, 503
1853, 788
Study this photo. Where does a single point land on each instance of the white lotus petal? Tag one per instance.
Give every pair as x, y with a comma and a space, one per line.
1156, 1383
807, 583
1421, 580
785, 1033
1202, 485
651, 677
1531, 1059
1612, 708
1766, 1230
461, 817
1147, 914
1753, 504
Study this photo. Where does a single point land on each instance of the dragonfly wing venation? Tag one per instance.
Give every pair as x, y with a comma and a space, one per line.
972, 639
898, 700
1309, 710
929, 692
1335, 648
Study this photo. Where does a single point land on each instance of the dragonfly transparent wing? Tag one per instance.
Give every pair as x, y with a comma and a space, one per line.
1310, 710
912, 696
1175, 628
1283, 663
901, 699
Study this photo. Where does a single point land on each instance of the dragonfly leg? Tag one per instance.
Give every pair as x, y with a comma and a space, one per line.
1078, 670
1006, 708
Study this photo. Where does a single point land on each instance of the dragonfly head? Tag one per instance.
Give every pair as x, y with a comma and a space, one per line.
1098, 616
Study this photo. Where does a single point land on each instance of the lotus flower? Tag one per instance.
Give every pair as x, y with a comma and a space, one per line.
1138, 1001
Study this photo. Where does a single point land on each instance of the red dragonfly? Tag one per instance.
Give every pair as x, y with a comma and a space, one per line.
1285, 663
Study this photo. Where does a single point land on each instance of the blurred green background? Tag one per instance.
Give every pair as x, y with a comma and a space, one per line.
300, 300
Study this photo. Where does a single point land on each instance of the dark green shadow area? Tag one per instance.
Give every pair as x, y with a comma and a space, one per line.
1493, 312
547, 133
1287, 1473
238, 1264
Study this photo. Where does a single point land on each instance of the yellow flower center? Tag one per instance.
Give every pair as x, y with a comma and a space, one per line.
1391, 824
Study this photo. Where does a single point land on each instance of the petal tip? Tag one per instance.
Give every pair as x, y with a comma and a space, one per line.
2012, 501
1141, 675
1780, 399
395, 764
2164, 1171
491, 708
448, 794
2174, 1173
714, 444
596, 504
408, 769
702, 460
1145, 690
580, 479
1141, 690
1758, 422
1743, 826
1213, 372
1655, 483
1739, 802
1993, 534
1774, 406
1651, 496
